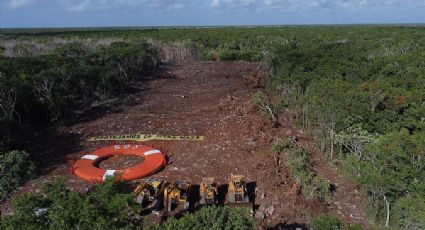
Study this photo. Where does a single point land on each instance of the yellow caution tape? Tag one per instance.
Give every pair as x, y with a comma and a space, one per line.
146, 137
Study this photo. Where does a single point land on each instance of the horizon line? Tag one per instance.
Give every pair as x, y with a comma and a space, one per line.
215, 26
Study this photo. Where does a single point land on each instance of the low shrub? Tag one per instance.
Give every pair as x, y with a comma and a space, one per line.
268, 109
16, 168
60, 208
229, 55
251, 55
211, 217
208, 55
326, 222
298, 160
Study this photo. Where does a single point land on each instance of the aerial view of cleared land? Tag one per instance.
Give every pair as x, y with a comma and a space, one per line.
259, 127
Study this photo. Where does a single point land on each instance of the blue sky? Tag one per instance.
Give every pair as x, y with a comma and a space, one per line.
77, 13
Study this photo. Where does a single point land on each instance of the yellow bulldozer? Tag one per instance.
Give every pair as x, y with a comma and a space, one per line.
207, 191
149, 193
177, 193
237, 194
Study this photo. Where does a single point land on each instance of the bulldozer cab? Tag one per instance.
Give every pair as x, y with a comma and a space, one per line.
177, 193
157, 185
237, 192
183, 188
207, 184
148, 192
237, 183
207, 191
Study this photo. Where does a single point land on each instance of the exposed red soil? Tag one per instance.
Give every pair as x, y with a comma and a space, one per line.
212, 99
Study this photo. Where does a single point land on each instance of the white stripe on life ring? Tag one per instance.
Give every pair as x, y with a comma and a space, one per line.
151, 152
108, 173
89, 157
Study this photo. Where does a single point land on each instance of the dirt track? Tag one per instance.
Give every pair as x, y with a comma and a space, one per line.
212, 99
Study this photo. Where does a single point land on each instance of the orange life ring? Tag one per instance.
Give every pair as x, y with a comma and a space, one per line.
86, 167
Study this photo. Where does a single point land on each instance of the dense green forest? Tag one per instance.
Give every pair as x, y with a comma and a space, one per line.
359, 91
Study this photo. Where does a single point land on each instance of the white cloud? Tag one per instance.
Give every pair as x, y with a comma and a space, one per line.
163, 4
231, 3
285, 5
82, 6
289, 5
217, 5
239, 5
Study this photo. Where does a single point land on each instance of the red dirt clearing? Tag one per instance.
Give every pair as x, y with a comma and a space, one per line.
212, 99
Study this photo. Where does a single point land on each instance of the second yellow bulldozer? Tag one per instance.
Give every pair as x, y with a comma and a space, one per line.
177, 193
237, 194
207, 191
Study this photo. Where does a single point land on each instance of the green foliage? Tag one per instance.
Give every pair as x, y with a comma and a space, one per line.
46, 89
235, 55
298, 160
212, 217
393, 167
312, 185
228, 55
105, 208
29, 212
72, 50
363, 97
326, 222
282, 146
261, 100
410, 213
15, 169
208, 55
354, 139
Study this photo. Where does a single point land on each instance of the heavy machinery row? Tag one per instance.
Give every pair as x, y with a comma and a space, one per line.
156, 194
